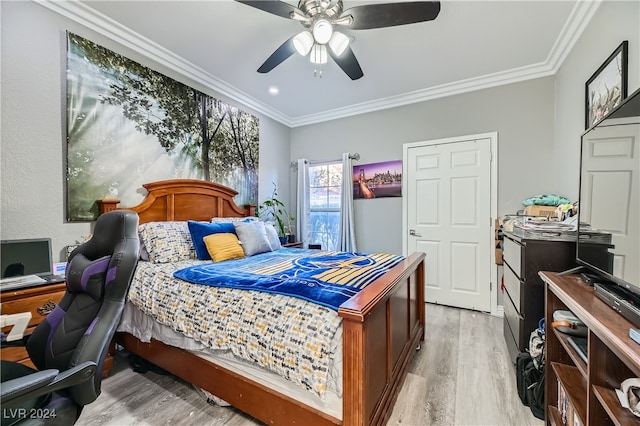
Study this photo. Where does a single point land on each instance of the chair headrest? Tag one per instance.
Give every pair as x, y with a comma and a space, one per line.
87, 276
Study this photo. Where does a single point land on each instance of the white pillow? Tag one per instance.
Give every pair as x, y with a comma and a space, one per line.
253, 237
272, 236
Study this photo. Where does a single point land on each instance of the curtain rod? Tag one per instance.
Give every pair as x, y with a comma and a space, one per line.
355, 156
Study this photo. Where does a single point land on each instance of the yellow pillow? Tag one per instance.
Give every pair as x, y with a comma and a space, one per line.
223, 247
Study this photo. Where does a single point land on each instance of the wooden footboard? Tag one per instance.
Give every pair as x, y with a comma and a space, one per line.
382, 326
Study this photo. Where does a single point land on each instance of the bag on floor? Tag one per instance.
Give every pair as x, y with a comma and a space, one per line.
530, 384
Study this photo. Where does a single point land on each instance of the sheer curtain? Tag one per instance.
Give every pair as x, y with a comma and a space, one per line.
302, 209
347, 230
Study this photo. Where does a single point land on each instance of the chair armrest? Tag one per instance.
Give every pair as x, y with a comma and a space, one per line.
15, 388
43, 382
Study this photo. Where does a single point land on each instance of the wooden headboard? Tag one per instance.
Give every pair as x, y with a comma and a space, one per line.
183, 199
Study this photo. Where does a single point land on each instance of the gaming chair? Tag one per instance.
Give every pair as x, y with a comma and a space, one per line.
69, 347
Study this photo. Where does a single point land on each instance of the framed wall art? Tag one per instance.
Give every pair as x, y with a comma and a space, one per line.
377, 180
128, 125
607, 87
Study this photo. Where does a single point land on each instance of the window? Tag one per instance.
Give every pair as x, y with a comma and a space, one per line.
325, 195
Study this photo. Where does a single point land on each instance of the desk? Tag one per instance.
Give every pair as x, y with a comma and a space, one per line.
39, 300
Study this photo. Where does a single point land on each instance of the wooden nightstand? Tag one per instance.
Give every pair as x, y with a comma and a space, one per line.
297, 244
40, 301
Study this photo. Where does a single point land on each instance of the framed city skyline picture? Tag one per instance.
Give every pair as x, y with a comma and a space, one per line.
377, 180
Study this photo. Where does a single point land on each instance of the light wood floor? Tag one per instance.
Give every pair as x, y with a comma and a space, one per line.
461, 376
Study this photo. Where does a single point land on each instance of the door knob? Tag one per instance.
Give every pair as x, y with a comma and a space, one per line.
413, 232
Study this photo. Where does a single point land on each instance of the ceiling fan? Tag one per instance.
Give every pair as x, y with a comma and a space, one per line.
323, 18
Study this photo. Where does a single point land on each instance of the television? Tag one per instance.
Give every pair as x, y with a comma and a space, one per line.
608, 243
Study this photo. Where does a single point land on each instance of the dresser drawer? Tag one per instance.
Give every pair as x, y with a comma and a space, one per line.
37, 300
514, 320
512, 346
512, 254
513, 286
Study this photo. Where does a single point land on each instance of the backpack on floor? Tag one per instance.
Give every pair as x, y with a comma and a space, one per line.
530, 383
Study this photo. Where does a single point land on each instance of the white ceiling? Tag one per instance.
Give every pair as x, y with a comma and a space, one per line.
470, 45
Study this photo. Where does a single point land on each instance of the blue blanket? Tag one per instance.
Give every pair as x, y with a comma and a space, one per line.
328, 278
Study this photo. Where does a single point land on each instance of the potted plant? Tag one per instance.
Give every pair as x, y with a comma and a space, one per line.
273, 210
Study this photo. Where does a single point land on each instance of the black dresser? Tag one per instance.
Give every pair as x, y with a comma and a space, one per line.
523, 299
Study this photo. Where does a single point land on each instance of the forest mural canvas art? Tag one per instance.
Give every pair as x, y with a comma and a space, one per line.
128, 125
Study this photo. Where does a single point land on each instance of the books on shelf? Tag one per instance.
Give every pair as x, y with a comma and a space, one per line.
565, 407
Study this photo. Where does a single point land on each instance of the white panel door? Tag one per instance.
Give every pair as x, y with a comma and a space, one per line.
449, 219
610, 175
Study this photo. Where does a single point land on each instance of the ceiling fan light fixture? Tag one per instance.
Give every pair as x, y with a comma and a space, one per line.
303, 43
322, 31
319, 54
338, 43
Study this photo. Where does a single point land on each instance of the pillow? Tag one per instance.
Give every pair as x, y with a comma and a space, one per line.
167, 241
233, 219
144, 254
223, 246
199, 230
87, 276
272, 236
253, 237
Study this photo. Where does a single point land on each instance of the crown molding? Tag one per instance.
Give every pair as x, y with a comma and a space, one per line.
117, 32
580, 16
435, 92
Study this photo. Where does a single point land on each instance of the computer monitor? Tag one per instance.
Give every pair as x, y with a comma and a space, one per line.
25, 257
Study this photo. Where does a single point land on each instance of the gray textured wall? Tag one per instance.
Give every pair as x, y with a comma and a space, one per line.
521, 113
614, 22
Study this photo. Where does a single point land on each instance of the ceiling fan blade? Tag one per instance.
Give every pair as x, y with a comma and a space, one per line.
348, 62
371, 16
274, 7
285, 50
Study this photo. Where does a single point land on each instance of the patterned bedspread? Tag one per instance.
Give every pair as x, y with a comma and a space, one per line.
326, 277
288, 336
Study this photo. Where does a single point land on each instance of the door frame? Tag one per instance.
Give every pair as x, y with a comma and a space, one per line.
490, 233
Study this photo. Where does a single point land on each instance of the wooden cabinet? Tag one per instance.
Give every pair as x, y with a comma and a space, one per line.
40, 301
523, 299
612, 356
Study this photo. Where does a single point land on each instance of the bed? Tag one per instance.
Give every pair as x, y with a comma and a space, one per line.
381, 327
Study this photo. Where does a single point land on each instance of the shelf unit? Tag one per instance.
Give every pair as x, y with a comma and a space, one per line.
612, 355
